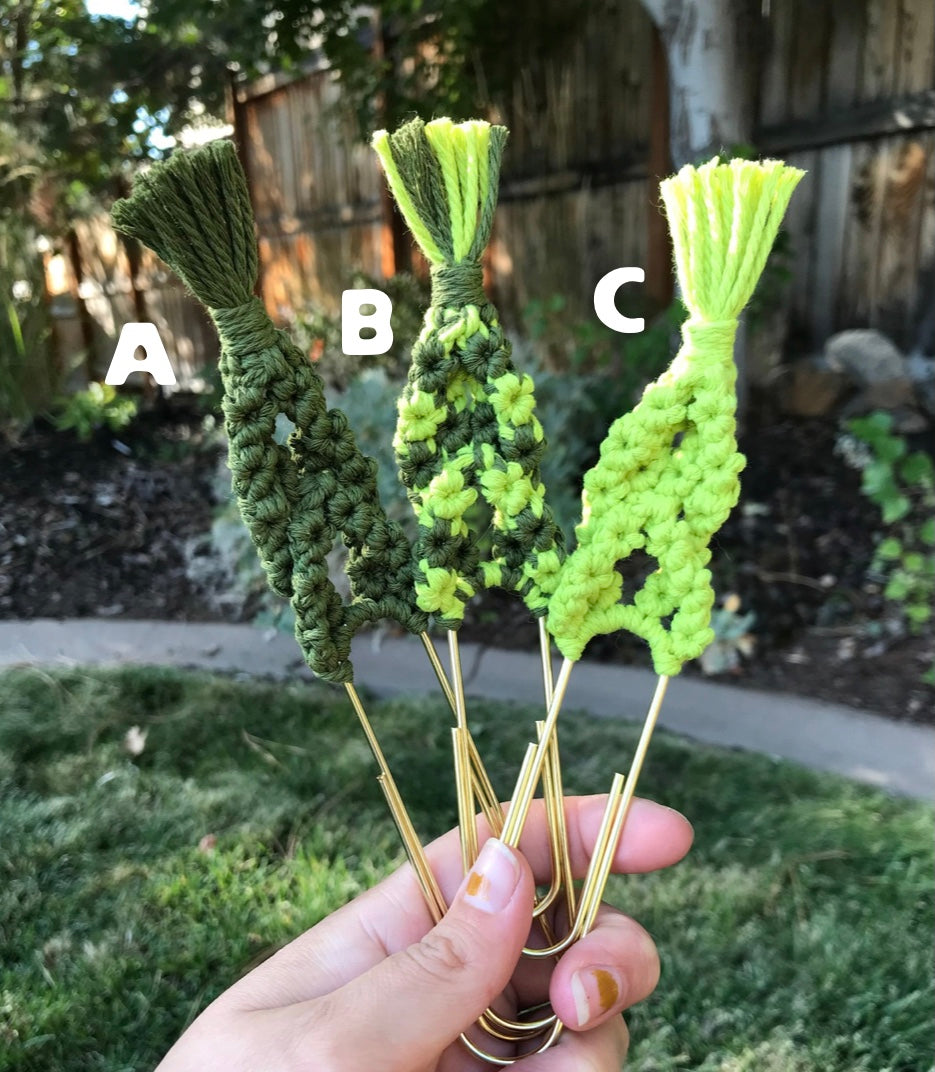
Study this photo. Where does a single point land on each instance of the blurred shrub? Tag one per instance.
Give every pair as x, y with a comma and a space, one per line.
601, 376
369, 402
624, 364
732, 637
902, 484
319, 334
28, 378
86, 412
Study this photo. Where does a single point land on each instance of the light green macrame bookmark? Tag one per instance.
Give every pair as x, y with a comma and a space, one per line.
668, 470
467, 427
194, 211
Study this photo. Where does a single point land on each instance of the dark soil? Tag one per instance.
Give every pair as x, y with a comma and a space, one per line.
88, 530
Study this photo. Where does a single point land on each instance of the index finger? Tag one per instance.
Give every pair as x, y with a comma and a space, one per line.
653, 837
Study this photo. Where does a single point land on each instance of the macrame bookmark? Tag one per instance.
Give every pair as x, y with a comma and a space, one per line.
467, 432
668, 471
296, 500
667, 475
467, 437
467, 427
194, 211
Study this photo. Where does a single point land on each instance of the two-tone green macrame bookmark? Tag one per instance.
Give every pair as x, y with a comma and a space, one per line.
467, 434
467, 428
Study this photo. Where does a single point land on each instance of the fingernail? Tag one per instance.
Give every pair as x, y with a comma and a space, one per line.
595, 990
493, 878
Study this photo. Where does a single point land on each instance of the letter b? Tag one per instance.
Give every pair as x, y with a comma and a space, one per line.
354, 320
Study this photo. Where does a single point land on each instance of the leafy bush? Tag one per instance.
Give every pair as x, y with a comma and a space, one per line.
97, 407
27, 375
732, 637
577, 399
902, 484
626, 363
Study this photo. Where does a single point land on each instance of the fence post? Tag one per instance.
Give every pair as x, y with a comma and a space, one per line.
237, 115
84, 316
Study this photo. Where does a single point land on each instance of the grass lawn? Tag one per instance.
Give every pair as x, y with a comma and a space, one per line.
796, 937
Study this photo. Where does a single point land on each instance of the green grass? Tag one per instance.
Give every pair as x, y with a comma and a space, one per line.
797, 937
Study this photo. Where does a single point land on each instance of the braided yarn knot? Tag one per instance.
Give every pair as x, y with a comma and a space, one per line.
457, 285
245, 327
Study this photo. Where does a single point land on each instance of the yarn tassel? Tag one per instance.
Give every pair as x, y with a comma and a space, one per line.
668, 470
194, 211
467, 428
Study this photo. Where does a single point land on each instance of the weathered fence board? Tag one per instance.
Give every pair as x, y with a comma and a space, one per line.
105, 298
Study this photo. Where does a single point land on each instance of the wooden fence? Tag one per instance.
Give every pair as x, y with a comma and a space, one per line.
575, 196
845, 89
848, 93
97, 284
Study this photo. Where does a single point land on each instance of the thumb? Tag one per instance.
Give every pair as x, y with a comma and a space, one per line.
406, 1010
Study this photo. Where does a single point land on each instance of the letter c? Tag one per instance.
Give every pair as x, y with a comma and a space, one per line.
604, 306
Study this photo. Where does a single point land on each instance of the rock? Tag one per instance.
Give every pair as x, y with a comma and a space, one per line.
908, 421
812, 388
875, 366
887, 394
921, 371
865, 356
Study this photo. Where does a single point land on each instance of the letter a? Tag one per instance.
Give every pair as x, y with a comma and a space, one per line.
354, 320
156, 362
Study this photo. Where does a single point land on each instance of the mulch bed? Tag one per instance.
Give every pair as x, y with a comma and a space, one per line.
89, 530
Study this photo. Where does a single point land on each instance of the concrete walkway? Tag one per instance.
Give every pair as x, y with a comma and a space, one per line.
897, 757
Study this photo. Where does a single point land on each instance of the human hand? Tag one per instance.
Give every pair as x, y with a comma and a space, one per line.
376, 987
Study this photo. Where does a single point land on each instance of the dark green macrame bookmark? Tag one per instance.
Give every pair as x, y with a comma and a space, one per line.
194, 211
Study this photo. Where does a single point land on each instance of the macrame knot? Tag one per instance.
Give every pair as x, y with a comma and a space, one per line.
246, 327
710, 336
457, 285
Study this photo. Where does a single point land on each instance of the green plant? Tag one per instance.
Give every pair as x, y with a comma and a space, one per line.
902, 483
27, 373
621, 364
582, 345
97, 407
732, 637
